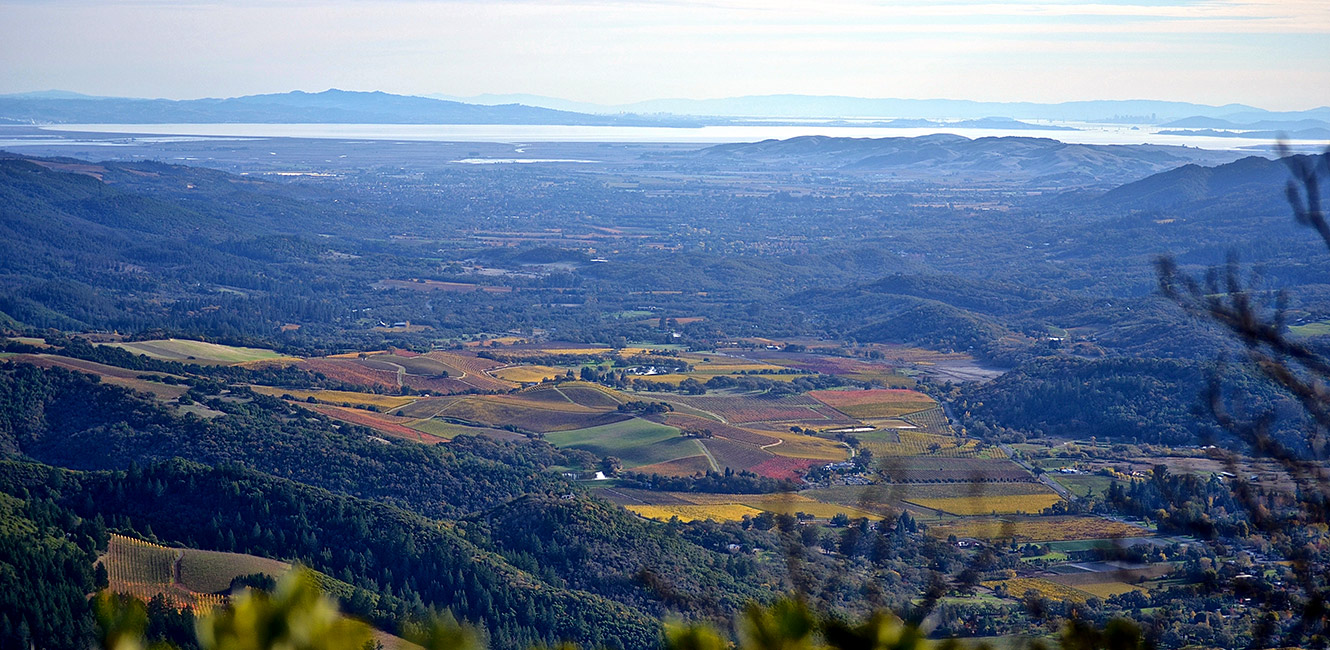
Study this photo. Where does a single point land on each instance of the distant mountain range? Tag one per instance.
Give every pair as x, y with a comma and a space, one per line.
330, 106
842, 107
934, 157
340, 106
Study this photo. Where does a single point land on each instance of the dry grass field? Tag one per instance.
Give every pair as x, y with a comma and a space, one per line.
198, 351
905, 442
1039, 529
985, 505
527, 374
338, 397
876, 403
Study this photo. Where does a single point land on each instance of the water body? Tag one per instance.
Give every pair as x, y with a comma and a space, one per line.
1104, 134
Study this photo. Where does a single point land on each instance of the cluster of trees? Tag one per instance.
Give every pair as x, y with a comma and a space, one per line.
1119, 399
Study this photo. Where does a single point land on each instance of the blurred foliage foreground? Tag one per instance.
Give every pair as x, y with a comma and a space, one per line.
298, 616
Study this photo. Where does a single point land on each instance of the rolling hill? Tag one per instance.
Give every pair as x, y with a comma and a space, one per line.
1020, 159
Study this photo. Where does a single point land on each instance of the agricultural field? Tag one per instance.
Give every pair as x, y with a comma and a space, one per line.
1315, 328
729, 512
674, 379
213, 571
1104, 590
783, 467
687, 466
145, 570
388, 425
1083, 485
727, 507
635, 441
783, 503
1018, 587
881, 373
340, 397
912, 469
591, 395
874, 404
796, 445
931, 420
350, 372
985, 505
737, 434
893, 497
736, 455
744, 409
497, 411
527, 374
1039, 529
472, 370
110, 374
446, 431
199, 352
905, 442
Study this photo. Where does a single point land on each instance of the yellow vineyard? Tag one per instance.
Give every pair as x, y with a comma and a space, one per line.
788, 504
915, 443
144, 570
720, 512
1018, 587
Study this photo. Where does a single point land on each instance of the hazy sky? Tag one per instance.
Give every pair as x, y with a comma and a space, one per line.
1269, 53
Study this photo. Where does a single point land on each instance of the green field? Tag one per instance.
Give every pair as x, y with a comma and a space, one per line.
1082, 484
1087, 544
213, 571
197, 351
636, 442
1318, 328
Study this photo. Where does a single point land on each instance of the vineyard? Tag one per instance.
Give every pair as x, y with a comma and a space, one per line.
472, 371
734, 455
349, 372
726, 512
984, 505
1039, 529
730, 507
590, 395
144, 570
385, 424
932, 469
932, 420
737, 434
903, 442
738, 409
876, 403
686, 466
782, 467
797, 445
527, 374
1018, 587
342, 397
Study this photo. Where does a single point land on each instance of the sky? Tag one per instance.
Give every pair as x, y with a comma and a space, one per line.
1272, 54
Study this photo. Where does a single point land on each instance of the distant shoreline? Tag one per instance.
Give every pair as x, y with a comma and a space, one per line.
1084, 134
